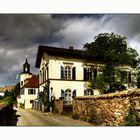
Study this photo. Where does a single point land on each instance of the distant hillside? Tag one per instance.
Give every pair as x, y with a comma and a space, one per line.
8, 88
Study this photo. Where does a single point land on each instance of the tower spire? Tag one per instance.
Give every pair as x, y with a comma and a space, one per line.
26, 66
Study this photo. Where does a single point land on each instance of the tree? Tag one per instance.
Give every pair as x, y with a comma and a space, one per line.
99, 83
44, 96
113, 50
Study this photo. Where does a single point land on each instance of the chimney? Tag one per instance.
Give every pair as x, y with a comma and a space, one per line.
71, 47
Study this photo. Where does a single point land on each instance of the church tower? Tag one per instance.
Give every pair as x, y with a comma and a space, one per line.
26, 74
26, 67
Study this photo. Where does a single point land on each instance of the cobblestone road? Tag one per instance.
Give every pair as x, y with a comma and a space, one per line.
31, 117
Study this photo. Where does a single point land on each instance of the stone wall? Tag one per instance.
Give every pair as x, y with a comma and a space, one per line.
108, 109
57, 106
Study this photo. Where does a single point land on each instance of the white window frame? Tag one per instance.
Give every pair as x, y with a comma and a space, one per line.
68, 72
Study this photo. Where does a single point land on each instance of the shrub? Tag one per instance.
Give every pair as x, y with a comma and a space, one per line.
95, 118
8, 100
131, 118
21, 105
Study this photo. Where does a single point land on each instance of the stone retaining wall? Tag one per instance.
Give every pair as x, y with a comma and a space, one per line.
109, 109
57, 106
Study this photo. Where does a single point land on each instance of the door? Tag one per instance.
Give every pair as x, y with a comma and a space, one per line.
68, 97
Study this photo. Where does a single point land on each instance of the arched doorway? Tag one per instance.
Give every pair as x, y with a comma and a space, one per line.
68, 97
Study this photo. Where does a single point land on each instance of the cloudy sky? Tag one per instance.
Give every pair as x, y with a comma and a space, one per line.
21, 34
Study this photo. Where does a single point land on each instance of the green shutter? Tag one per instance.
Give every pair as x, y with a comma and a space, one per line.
62, 72
62, 93
74, 73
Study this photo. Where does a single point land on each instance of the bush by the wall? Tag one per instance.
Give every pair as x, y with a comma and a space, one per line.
131, 118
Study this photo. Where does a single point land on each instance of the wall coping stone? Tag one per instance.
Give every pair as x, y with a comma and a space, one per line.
125, 93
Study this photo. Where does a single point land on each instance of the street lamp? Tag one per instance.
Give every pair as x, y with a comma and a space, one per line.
51, 90
52, 99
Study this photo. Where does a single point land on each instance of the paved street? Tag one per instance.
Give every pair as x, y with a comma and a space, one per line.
31, 117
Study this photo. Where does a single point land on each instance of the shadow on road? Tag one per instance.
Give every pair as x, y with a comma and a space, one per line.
14, 118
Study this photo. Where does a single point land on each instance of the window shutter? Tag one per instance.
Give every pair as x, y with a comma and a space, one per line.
74, 93
85, 92
73, 73
62, 93
85, 74
62, 73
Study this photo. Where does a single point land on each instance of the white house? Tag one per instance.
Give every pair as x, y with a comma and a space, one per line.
67, 71
29, 85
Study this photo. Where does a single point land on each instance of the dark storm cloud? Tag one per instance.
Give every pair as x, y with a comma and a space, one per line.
126, 25
72, 16
78, 30
19, 36
22, 30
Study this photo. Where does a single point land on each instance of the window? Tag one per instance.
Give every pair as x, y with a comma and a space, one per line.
89, 74
21, 83
67, 72
31, 91
26, 69
22, 91
123, 76
88, 92
31, 101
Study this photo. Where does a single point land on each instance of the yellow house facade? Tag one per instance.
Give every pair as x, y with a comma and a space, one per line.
69, 74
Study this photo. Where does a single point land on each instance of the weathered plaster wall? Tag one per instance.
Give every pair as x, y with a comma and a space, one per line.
109, 109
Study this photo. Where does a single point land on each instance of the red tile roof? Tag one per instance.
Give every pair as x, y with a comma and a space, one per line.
33, 82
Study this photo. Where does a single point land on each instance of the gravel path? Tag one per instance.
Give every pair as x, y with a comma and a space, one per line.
31, 117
